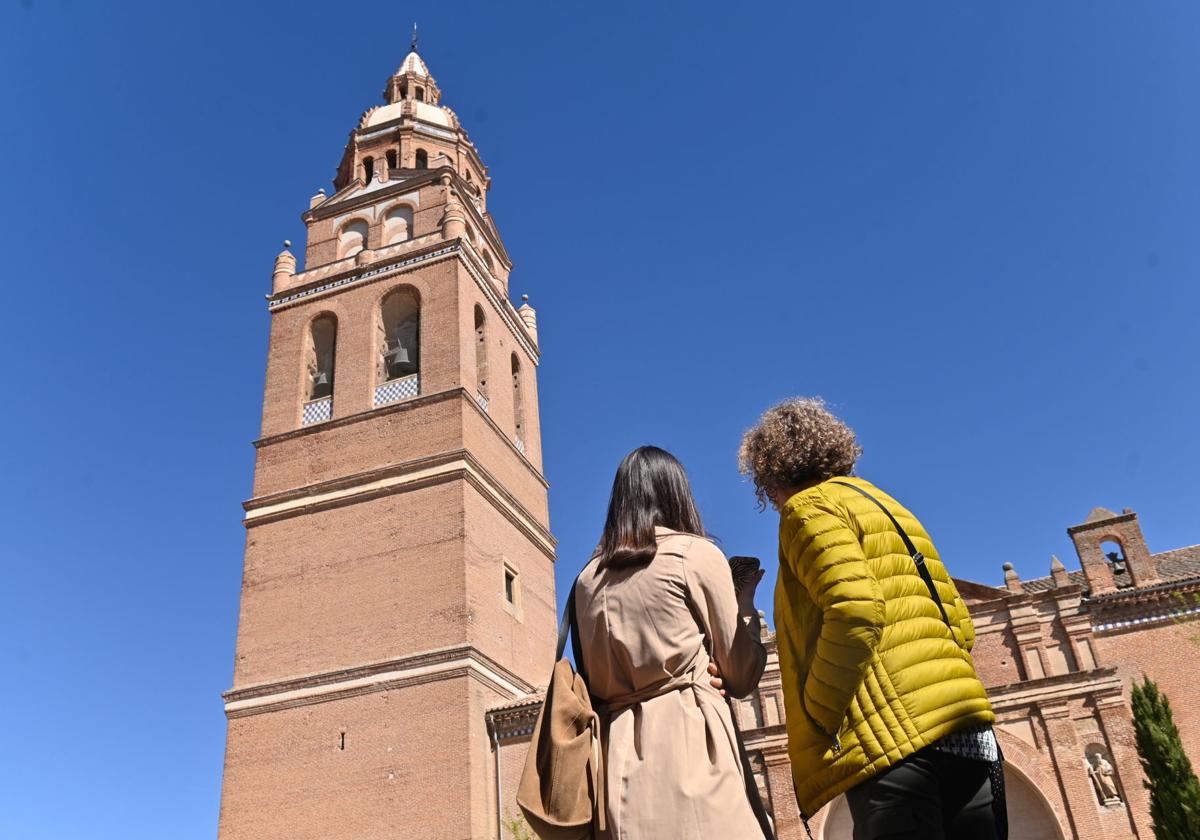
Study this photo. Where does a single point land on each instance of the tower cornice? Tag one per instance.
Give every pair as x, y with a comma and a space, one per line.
345, 200
429, 666
261, 507
411, 475
441, 250
406, 405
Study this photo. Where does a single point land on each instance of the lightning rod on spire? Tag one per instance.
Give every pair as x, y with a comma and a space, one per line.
414, 37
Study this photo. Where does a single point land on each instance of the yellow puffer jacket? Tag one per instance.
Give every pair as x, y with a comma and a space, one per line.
871, 673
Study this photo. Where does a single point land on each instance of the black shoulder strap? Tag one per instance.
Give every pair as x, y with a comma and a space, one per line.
569, 624
917, 556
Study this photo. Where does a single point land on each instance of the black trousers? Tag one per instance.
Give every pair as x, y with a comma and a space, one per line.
931, 795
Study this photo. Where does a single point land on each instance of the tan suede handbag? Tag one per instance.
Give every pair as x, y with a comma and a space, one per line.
562, 786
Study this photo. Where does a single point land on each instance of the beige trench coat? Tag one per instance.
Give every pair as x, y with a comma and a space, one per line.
647, 634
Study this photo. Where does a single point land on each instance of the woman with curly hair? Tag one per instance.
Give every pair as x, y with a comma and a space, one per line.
883, 701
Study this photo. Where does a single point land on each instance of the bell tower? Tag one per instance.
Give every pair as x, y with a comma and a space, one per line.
399, 568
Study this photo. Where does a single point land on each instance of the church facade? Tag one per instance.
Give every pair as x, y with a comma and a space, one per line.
398, 607
1059, 655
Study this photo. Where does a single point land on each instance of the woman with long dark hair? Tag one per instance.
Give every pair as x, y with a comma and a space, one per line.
655, 607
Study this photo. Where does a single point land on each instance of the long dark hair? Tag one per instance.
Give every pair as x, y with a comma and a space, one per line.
651, 488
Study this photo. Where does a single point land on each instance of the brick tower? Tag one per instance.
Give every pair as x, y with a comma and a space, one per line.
399, 569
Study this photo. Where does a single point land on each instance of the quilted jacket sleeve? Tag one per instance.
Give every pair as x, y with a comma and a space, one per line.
816, 540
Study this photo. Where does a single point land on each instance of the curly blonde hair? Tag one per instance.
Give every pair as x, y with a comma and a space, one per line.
796, 442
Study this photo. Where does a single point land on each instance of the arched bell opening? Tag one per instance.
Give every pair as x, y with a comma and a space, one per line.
399, 346
481, 359
319, 369
518, 405
1114, 553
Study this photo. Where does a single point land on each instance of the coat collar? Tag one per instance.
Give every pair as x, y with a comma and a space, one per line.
794, 499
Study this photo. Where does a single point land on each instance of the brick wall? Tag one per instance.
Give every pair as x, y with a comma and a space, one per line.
288, 775
356, 584
1165, 653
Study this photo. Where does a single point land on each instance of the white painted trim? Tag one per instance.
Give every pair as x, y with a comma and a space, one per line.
379, 132
354, 279
430, 131
317, 691
396, 481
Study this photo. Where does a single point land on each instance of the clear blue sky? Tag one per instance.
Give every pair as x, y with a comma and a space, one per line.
971, 227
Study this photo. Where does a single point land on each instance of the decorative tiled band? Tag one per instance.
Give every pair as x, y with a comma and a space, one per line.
360, 277
404, 388
1180, 614
317, 411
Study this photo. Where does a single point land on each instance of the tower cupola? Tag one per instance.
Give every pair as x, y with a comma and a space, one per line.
413, 82
412, 132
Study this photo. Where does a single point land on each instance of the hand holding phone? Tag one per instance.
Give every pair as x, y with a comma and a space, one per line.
745, 570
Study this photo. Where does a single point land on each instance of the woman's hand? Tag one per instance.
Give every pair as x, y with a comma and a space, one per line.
746, 609
745, 595
716, 681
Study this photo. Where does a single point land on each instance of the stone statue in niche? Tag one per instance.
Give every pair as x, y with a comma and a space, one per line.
1100, 770
758, 769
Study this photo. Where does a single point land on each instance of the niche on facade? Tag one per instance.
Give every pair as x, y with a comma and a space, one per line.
1060, 658
753, 711
758, 769
352, 238
1104, 777
398, 225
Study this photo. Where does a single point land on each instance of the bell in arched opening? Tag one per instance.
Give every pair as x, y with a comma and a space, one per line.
321, 358
401, 326
1114, 552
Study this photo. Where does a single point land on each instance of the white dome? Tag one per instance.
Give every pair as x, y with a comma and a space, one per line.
435, 114
424, 111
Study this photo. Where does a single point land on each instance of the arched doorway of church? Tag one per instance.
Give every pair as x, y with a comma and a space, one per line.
838, 825
1030, 816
